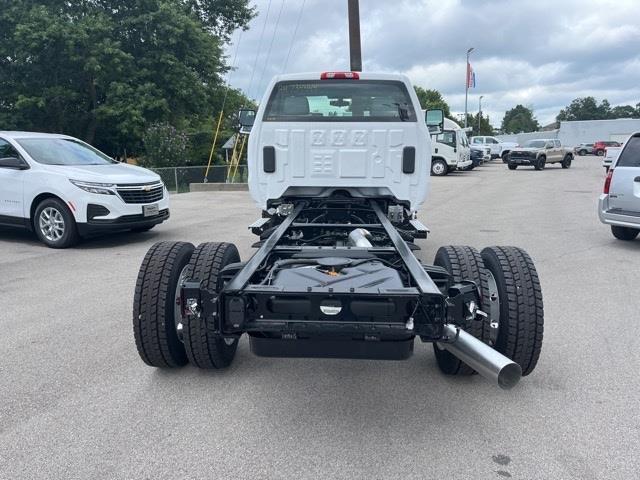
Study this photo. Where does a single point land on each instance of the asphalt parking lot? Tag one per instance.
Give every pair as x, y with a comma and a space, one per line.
77, 402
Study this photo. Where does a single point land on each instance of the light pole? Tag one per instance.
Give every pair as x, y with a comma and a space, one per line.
479, 111
466, 87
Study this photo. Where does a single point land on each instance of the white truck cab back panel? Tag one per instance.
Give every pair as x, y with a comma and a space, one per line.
312, 136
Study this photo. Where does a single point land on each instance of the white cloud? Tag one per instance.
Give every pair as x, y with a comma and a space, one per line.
542, 53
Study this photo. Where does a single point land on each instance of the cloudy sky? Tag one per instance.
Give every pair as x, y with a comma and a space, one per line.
540, 53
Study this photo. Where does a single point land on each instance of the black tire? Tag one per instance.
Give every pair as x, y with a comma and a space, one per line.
464, 263
566, 161
42, 227
154, 305
512, 166
624, 233
439, 168
204, 348
540, 163
600, 153
582, 153
521, 321
505, 157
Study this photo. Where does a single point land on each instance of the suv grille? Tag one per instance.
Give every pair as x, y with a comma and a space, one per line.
143, 193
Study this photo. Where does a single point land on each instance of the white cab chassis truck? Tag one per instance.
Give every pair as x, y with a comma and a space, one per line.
450, 149
338, 166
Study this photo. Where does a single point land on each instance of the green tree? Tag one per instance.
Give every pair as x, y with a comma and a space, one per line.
625, 111
104, 70
586, 108
472, 121
432, 99
519, 119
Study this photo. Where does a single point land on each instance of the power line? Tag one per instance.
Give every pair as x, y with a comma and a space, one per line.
273, 37
293, 39
255, 62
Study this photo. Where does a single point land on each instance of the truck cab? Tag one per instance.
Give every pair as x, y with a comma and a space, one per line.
498, 149
315, 134
450, 150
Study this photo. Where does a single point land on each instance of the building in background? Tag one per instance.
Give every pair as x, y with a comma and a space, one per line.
583, 131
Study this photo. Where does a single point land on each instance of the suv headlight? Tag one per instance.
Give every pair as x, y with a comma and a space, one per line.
91, 187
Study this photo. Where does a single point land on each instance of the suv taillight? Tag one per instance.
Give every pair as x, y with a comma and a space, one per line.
607, 181
339, 76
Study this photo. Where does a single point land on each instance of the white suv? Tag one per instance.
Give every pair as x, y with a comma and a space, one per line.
63, 189
619, 204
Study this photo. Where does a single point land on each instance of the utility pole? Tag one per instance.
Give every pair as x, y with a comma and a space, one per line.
479, 111
466, 86
355, 49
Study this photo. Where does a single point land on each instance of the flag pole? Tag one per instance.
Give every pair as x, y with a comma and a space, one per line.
466, 87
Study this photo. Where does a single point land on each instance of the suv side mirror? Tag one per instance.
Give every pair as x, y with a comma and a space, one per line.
435, 121
14, 163
246, 118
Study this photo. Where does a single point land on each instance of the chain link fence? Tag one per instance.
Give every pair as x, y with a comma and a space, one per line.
177, 179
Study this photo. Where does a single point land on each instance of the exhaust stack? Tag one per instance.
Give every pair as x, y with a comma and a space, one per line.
488, 362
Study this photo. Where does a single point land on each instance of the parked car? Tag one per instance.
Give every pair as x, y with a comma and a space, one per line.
64, 189
538, 153
583, 149
450, 150
477, 157
498, 149
610, 156
600, 146
619, 204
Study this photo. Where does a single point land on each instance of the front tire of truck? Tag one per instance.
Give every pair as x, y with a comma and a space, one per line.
154, 304
517, 320
540, 163
463, 263
512, 166
439, 167
204, 348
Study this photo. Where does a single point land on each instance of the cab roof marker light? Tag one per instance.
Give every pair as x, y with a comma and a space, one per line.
339, 76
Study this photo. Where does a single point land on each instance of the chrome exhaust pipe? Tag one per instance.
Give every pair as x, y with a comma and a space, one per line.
359, 237
488, 362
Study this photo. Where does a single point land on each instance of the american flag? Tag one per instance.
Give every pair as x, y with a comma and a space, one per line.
471, 77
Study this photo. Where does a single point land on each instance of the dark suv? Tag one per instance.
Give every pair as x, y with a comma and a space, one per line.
599, 147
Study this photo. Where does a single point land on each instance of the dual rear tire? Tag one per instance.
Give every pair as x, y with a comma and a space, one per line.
510, 293
164, 338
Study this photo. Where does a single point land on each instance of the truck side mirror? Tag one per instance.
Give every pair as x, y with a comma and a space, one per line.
435, 121
246, 118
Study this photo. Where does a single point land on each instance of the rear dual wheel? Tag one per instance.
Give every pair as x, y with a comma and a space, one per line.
510, 293
165, 339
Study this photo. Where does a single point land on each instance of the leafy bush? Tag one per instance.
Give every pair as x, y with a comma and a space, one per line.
164, 146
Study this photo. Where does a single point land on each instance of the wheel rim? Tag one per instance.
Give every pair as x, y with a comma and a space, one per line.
51, 223
494, 309
437, 168
177, 310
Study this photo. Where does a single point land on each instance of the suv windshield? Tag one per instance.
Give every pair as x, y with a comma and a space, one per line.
535, 144
340, 101
63, 151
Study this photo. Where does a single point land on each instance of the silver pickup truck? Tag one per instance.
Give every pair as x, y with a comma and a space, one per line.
538, 153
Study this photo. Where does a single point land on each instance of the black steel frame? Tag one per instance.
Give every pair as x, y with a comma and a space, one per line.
421, 309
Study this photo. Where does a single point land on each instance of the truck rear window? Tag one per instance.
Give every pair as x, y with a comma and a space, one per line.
339, 101
630, 156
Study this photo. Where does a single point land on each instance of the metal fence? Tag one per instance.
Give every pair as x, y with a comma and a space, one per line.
177, 179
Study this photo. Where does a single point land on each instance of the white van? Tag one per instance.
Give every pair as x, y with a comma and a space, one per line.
450, 150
